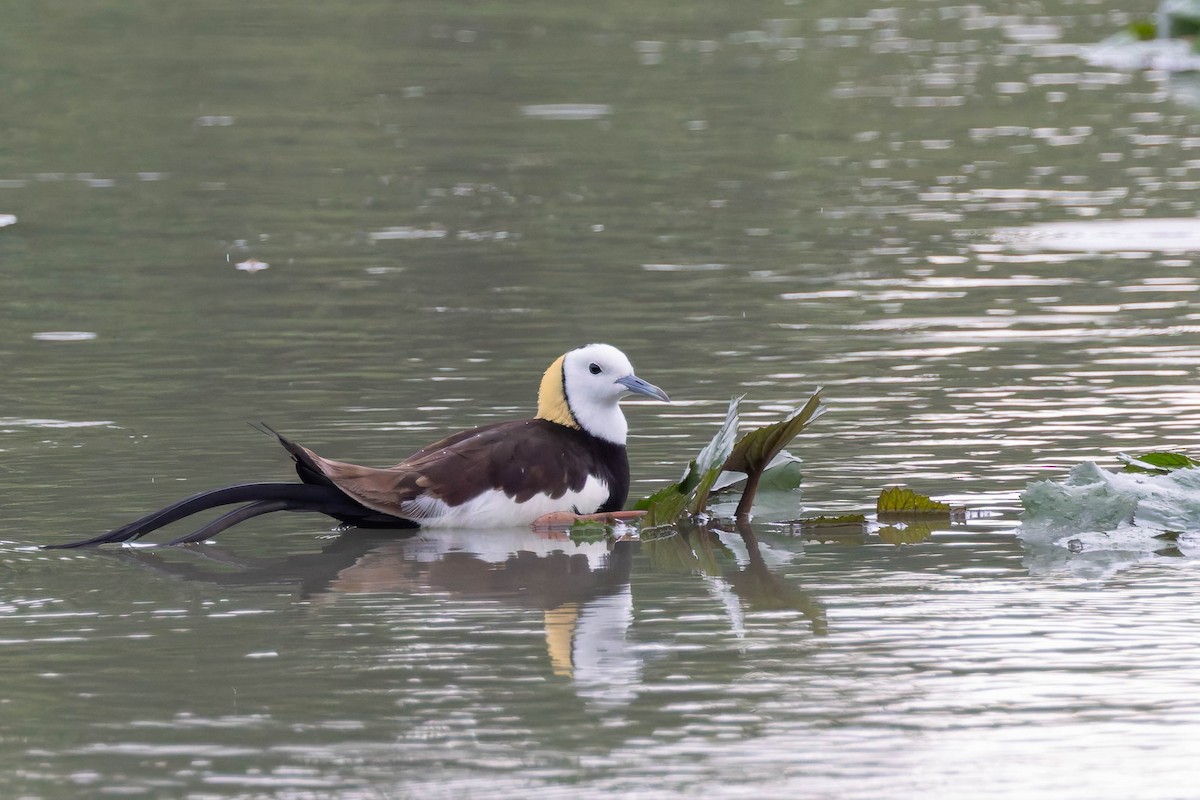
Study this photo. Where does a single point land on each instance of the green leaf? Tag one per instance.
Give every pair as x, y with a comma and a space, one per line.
783, 474
756, 454
1156, 463
845, 528
902, 502
755, 451
825, 521
588, 531
666, 505
1144, 30
690, 494
849, 529
712, 458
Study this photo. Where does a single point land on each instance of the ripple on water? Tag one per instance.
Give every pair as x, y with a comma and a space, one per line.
64, 336
566, 111
1181, 234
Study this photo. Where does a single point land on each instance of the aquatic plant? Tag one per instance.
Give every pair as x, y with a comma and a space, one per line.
758, 460
753, 456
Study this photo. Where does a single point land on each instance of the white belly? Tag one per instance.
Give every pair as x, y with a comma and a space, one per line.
495, 509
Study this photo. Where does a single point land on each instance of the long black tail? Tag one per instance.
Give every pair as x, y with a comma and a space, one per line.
260, 498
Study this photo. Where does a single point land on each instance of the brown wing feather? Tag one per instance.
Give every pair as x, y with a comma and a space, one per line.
521, 458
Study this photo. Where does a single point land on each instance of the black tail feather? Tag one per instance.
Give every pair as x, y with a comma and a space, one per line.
262, 498
228, 520
308, 471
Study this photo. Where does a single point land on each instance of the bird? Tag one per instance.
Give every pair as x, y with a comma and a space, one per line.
570, 457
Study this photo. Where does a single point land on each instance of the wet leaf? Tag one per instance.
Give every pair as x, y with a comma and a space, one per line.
843, 528
1144, 30
690, 494
783, 474
714, 456
755, 454
667, 504
755, 451
1156, 463
900, 501
589, 531
831, 522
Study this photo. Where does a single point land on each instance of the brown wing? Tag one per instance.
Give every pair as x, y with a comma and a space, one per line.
521, 458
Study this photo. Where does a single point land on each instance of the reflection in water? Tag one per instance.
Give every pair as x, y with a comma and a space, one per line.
707, 551
586, 590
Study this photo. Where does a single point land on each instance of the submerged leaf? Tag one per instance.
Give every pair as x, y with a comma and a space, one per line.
1156, 463
899, 501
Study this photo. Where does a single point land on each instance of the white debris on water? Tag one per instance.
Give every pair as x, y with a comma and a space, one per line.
252, 265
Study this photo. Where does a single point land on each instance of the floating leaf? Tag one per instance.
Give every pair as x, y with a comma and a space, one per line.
667, 504
754, 452
843, 529
1157, 463
589, 531
899, 501
826, 522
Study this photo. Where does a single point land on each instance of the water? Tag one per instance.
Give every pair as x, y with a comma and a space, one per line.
979, 243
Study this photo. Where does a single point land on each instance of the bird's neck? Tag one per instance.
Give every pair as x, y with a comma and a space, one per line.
603, 420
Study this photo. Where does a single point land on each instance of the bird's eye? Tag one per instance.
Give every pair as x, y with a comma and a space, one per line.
594, 368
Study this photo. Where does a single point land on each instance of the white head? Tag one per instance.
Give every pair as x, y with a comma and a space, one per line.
583, 389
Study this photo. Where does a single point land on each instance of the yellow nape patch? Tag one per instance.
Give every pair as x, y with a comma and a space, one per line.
552, 397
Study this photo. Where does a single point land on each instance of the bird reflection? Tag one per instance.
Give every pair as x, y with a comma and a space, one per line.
584, 590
